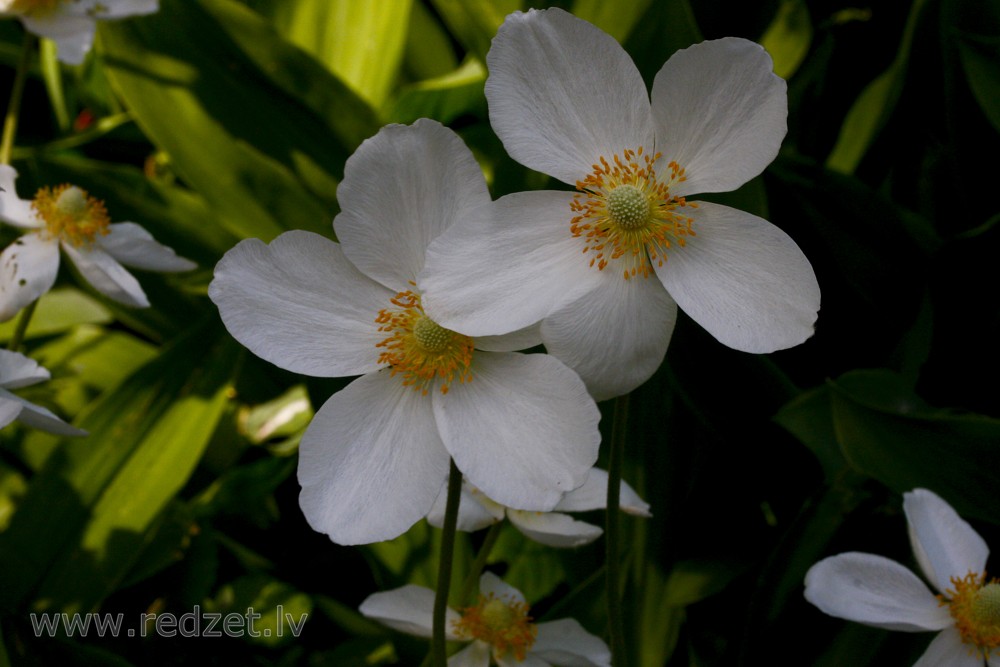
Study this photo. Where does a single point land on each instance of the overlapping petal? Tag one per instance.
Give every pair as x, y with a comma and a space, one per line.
554, 529
407, 609
744, 280
401, 189
106, 275
13, 210
566, 642
28, 269
875, 591
371, 462
720, 113
36, 416
593, 495
476, 654
300, 304
524, 430
17, 370
561, 93
475, 510
944, 544
133, 246
948, 650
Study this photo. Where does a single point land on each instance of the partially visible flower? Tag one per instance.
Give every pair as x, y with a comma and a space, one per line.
554, 529
71, 23
519, 426
67, 217
605, 268
882, 593
16, 371
498, 625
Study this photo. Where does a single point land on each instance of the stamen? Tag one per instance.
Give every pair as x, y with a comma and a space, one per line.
975, 606
71, 215
626, 213
502, 623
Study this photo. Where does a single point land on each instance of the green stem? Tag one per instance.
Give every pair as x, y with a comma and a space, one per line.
22, 326
477, 566
439, 648
10, 120
612, 542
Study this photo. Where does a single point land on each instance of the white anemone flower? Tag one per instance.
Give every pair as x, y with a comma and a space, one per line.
519, 426
67, 217
71, 24
882, 593
606, 267
16, 371
554, 529
498, 626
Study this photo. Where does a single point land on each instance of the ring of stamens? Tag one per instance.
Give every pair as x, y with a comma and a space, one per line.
975, 606
71, 215
625, 213
420, 349
501, 622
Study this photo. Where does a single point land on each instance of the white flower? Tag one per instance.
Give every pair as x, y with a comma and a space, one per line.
71, 23
880, 592
16, 371
520, 426
554, 529
603, 267
67, 217
498, 626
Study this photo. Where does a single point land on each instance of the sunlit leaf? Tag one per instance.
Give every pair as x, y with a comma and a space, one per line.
788, 37
615, 18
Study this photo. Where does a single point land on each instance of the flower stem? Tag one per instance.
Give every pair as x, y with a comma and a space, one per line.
477, 567
438, 645
22, 326
616, 627
10, 120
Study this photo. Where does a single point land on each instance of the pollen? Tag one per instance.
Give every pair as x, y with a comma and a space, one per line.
626, 215
71, 215
502, 623
975, 606
420, 349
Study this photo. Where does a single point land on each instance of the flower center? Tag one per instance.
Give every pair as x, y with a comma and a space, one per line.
421, 349
71, 215
34, 7
502, 623
625, 213
975, 606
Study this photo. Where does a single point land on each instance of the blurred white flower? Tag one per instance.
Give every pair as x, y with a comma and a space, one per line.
882, 593
67, 217
519, 426
499, 627
16, 371
554, 529
605, 268
71, 23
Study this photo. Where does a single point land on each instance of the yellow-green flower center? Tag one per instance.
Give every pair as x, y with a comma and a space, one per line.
975, 606
502, 623
71, 215
626, 215
419, 348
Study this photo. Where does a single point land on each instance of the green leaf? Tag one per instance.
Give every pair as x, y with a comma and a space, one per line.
615, 18
57, 311
475, 22
788, 37
445, 98
808, 418
283, 416
274, 611
979, 55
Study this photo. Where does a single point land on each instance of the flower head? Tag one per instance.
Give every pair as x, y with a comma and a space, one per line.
879, 592
17, 370
554, 529
605, 268
499, 627
68, 217
71, 23
519, 426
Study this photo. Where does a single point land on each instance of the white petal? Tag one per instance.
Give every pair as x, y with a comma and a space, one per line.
948, 650
944, 544
133, 246
522, 339
73, 35
491, 583
593, 495
475, 510
401, 189
112, 9
524, 430
371, 462
14, 211
508, 659
476, 654
615, 337
17, 370
106, 275
300, 304
28, 269
875, 591
9, 408
720, 113
993, 660
554, 529
408, 609
562, 93
744, 280
508, 270
565, 642
41, 418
